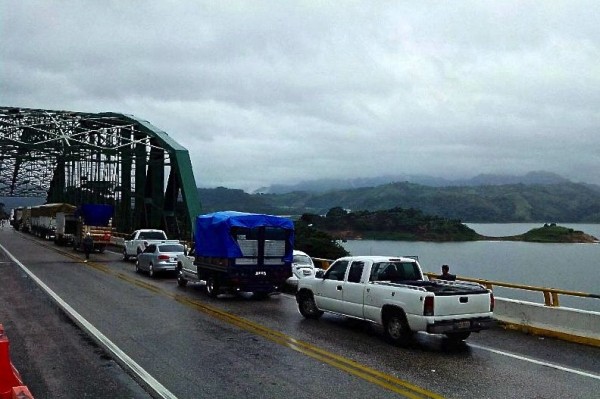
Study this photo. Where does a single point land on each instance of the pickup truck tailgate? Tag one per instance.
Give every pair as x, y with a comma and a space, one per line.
449, 305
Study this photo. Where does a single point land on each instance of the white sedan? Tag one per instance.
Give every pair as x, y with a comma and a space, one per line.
302, 266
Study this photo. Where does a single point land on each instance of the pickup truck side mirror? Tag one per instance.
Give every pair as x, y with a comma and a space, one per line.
319, 273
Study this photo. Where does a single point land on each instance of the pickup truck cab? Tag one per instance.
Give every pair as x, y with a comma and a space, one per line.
140, 239
392, 292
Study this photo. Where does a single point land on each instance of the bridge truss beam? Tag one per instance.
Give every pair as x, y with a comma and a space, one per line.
108, 158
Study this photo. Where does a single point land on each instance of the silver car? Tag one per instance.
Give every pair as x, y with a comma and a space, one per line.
159, 257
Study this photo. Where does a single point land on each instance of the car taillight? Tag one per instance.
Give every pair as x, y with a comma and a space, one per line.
428, 306
492, 301
163, 257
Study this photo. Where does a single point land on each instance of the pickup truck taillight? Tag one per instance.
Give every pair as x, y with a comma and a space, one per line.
428, 306
491, 301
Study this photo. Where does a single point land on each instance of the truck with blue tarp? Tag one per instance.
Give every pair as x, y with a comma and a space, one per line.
239, 252
95, 219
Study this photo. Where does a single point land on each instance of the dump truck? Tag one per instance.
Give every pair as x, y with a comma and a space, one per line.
239, 252
66, 228
95, 219
43, 218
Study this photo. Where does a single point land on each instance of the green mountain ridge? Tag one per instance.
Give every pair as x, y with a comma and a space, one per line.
512, 203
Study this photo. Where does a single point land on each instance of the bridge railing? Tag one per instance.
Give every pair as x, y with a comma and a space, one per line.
551, 295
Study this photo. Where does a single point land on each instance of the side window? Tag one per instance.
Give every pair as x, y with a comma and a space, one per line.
336, 271
375, 270
356, 270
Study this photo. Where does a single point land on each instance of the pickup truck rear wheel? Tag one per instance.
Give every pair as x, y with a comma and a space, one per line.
308, 307
396, 328
212, 287
458, 336
125, 256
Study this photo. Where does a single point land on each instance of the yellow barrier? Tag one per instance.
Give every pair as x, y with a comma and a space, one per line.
550, 294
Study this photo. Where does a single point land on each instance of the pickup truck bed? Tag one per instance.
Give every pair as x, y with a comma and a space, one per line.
439, 287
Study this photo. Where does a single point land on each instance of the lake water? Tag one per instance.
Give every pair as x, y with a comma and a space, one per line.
573, 267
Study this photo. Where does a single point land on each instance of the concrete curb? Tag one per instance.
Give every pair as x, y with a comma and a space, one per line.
568, 324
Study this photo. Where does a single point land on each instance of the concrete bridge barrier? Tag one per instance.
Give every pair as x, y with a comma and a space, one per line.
570, 324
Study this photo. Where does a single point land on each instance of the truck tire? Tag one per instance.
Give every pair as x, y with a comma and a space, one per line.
458, 336
125, 256
307, 306
396, 327
212, 287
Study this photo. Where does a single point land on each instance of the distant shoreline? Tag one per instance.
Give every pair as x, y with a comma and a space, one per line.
548, 233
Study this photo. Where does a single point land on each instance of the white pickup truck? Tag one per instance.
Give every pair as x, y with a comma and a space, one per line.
140, 239
392, 292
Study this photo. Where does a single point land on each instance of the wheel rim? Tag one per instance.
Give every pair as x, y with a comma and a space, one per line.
309, 305
394, 328
151, 270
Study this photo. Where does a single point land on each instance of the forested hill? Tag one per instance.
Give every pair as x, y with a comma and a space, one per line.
561, 203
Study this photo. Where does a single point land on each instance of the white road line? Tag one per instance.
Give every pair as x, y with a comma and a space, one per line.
541, 363
151, 382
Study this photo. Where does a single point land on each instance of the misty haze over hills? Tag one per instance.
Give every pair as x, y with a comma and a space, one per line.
323, 185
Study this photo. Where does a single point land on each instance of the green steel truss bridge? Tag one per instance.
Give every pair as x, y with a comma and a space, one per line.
107, 158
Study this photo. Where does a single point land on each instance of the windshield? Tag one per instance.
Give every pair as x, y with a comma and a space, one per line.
171, 248
152, 235
302, 260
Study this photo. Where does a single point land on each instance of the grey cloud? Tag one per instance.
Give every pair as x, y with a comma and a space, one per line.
311, 89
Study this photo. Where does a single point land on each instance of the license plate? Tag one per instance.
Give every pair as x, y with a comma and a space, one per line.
463, 324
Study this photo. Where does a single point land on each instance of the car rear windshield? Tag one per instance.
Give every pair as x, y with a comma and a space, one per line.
171, 248
153, 235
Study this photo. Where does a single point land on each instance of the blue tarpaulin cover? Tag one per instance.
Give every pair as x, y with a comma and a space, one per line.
213, 232
95, 214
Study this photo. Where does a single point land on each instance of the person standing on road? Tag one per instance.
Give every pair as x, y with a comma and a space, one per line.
88, 246
446, 274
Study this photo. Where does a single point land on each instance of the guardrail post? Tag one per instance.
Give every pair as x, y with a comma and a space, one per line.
555, 299
547, 299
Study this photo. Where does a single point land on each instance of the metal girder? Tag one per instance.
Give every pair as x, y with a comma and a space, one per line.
76, 157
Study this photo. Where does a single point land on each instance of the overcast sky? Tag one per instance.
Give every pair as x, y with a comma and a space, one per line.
264, 92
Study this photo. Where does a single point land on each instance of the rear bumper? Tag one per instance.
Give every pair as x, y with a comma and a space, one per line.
165, 266
461, 325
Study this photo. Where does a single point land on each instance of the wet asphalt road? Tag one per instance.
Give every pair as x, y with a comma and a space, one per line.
234, 346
